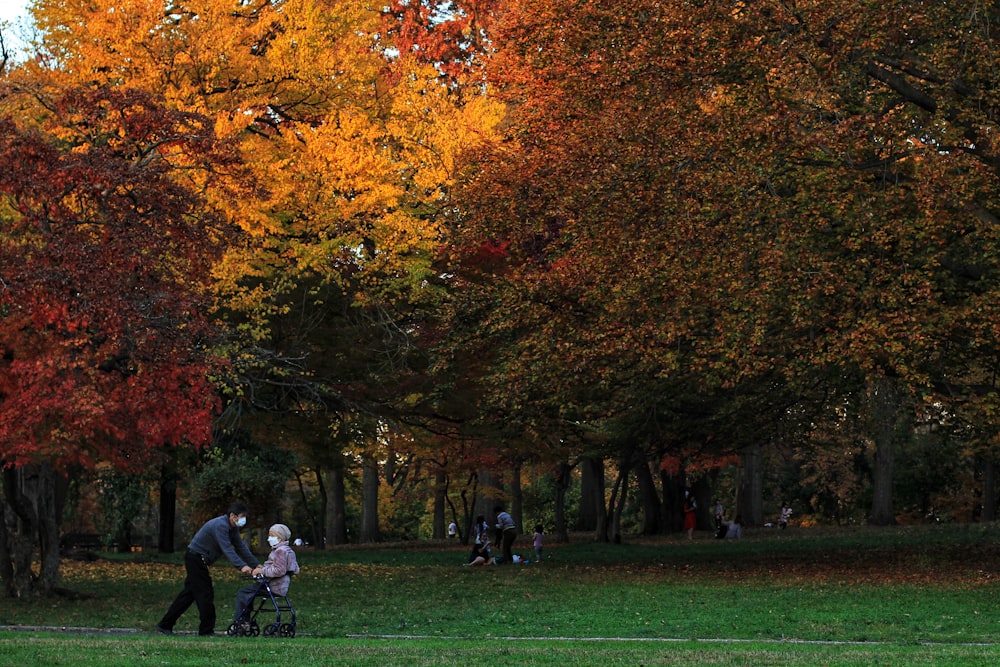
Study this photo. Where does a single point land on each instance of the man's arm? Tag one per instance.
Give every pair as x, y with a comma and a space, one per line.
234, 548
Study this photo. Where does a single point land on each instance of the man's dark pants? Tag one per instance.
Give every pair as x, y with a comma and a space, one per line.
507, 542
197, 589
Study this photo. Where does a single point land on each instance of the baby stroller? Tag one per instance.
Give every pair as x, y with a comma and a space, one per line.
264, 600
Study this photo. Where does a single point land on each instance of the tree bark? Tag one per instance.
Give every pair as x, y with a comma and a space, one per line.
369, 501
649, 498
319, 534
314, 521
750, 502
562, 478
168, 504
885, 402
618, 498
487, 496
29, 518
673, 501
702, 491
440, 490
989, 490
336, 532
517, 498
597, 499
590, 469
591, 494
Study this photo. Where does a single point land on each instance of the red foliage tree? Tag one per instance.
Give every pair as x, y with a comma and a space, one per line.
453, 36
105, 253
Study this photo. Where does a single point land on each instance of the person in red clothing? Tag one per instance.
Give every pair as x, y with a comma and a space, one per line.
690, 514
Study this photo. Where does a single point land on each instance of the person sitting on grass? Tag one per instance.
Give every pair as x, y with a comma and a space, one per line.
481, 554
734, 529
281, 563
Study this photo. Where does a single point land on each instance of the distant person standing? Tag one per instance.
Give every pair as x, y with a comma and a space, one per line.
452, 529
785, 516
537, 541
506, 533
690, 514
219, 536
720, 525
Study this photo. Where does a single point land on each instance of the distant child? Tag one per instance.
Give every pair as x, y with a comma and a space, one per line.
537, 542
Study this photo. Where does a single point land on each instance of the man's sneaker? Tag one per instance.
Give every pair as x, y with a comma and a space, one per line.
163, 631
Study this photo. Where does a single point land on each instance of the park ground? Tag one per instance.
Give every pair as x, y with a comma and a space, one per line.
918, 595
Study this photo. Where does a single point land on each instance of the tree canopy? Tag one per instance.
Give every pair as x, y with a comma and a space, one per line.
654, 233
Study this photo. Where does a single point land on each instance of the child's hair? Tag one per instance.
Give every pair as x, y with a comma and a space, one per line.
538, 528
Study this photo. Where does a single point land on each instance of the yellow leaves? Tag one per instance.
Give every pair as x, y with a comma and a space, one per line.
100, 572
710, 101
351, 156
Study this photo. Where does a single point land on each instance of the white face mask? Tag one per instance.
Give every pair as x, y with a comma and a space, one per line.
273, 541
240, 522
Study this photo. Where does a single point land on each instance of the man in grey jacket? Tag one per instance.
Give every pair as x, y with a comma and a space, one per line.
219, 536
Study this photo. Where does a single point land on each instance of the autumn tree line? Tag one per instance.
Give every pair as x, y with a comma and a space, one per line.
376, 268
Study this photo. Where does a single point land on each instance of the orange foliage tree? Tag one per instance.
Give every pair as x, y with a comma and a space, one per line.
704, 214
356, 139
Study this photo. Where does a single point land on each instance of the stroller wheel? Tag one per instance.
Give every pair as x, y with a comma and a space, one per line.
287, 630
271, 630
254, 630
232, 630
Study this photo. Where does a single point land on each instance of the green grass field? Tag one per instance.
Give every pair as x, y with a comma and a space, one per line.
915, 596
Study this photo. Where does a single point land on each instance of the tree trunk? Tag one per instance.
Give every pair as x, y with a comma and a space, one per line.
618, 498
469, 505
885, 401
702, 491
29, 518
319, 534
989, 490
593, 511
673, 501
648, 497
562, 478
601, 530
591, 493
487, 497
168, 504
517, 499
440, 491
369, 501
314, 521
750, 501
336, 532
